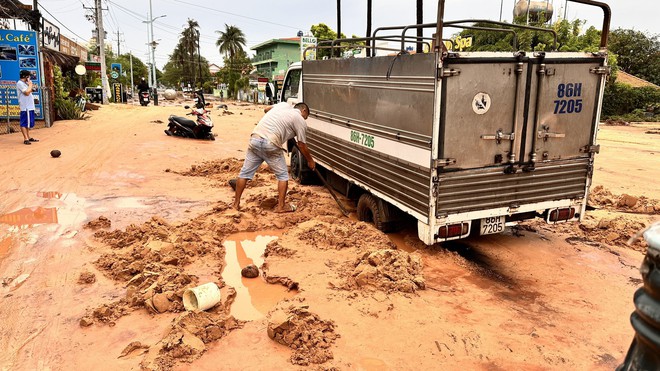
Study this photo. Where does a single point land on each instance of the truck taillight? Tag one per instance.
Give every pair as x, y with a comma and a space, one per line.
558, 215
453, 230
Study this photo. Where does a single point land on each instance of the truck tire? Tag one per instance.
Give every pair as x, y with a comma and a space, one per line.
299, 169
374, 210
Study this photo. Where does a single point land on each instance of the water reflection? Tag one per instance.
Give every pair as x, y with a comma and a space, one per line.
254, 296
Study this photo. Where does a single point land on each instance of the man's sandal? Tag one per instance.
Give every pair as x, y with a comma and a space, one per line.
34, 140
26, 142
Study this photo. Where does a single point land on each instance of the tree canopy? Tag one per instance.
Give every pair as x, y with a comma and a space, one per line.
186, 65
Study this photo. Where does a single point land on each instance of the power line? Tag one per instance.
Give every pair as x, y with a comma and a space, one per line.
62, 24
237, 15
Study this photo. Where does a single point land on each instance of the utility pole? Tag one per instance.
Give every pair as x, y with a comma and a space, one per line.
118, 41
101, 35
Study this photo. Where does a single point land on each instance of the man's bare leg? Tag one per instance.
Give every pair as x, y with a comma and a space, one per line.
240, 186
25, 132
281, 194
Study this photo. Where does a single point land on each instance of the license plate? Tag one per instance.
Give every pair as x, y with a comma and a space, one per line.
493, 224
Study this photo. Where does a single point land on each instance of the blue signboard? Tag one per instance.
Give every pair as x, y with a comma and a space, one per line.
18, 51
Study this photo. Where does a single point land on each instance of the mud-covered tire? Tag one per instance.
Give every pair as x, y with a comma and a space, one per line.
300, 172
373, 210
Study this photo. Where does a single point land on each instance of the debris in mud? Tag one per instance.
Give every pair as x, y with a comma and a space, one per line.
223, 170
98, 223
331, 233
132, 348
250, 271
274, 248
188, 337
86, 278
610, 122
387, 270
156, 121
601, 197
106, 313
303, 331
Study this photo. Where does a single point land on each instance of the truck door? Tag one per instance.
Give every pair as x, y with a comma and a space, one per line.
291, 89
564, 99
482, 111
497, 112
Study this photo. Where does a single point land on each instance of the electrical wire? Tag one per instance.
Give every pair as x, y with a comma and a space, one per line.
58, 21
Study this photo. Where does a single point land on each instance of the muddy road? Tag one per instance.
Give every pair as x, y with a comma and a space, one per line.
97, 247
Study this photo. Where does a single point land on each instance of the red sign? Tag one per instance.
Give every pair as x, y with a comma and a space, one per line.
93, 66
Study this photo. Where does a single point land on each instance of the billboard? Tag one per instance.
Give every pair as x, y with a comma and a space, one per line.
18, 51
305, 42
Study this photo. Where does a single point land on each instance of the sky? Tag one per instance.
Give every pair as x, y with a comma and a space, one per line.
262, 20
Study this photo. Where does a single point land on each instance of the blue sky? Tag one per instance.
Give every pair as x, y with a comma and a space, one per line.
262, 20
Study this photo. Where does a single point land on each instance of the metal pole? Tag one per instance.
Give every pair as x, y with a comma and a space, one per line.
101, 35
130, 56
528, 2
153, 53
501, 7
7, 102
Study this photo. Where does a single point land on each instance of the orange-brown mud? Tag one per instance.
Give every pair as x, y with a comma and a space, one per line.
99, 245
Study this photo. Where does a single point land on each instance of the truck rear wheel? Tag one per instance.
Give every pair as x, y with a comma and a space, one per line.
299, 169
374, 210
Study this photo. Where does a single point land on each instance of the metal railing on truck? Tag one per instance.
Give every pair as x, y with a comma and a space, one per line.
441, 24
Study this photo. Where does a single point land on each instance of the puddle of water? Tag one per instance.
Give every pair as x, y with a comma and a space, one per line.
254, 296
30, 216
49, 194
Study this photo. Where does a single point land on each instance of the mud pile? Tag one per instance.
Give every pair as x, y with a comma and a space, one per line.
601, 197
98, 223
86, 278
386, 270
303, 331
187, 338
330, 233
221, 171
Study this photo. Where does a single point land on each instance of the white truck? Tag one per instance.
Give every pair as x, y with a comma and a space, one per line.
464, 142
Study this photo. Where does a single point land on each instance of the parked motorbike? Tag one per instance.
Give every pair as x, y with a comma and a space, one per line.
144, 98
199, 129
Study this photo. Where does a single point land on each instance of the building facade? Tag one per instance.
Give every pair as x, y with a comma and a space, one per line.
274, 56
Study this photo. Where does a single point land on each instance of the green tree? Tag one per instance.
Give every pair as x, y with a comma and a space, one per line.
232, 71
638, 53
231, 41
185, 65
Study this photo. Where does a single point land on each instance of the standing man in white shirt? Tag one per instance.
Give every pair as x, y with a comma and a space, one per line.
26, 104
281, 123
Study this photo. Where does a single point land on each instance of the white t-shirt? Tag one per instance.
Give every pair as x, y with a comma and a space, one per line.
25, 102
282, 123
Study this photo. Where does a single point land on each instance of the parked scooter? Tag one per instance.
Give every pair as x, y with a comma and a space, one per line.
144, 98
183, 127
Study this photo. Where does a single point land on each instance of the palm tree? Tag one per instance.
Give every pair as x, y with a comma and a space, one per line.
231, 41
189, 43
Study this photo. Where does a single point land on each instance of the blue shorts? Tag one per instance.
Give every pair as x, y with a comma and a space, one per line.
261, 150
27, 119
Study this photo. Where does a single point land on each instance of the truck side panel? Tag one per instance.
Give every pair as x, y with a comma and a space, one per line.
371, 121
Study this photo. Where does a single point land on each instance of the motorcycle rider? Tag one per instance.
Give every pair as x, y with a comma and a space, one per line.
142, 87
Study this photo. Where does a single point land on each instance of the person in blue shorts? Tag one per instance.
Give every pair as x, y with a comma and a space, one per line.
26, 104
281, 123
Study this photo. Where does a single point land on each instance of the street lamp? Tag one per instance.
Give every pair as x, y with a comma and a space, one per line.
153, 44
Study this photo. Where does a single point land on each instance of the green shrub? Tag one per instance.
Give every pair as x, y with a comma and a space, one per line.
68, 110
635, 104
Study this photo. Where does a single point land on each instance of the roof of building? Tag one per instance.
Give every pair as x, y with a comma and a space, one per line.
634, 81
289, 40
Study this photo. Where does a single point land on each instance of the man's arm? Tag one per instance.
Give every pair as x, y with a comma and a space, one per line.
308, 155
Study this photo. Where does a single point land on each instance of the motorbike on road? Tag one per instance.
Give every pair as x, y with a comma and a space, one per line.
199, 129
144, 98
